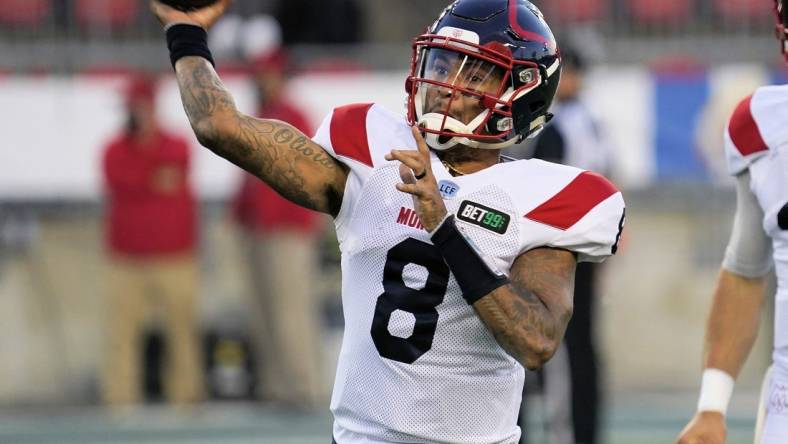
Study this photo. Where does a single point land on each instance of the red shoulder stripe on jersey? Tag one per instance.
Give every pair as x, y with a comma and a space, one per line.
573, 202
744, 131
349, 132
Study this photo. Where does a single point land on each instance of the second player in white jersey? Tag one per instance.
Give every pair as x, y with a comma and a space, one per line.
417, 364
756, 149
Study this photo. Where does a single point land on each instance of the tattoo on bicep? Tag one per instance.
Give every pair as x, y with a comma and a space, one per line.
550, 273
279, 155
522, 316
284, 135
271, 150
304, 146
532, 315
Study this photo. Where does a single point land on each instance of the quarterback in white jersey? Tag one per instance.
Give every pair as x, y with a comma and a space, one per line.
756, 148
457, 266
417, 364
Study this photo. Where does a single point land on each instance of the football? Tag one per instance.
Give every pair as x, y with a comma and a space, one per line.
188, 5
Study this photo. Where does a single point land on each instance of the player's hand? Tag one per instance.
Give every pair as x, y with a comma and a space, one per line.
704, 428
418, 181
204, 17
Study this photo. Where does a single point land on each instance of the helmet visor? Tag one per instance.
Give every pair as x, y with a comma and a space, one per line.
456, 84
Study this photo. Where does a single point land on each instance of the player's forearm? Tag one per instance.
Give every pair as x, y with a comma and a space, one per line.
209, 106
733, 322
213, 116
523, 324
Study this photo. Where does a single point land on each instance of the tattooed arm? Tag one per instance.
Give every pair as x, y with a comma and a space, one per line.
529, 316
283, 157
280, 155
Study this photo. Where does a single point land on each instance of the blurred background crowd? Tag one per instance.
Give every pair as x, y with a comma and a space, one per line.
137, 267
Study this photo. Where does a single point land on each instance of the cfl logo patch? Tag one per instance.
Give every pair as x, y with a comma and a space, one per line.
448, 189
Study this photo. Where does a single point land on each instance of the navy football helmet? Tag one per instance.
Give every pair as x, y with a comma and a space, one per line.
484, 75
781, 11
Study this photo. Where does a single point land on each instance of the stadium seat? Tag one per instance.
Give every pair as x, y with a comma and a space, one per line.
574, 11
23, 12
651, 12
744, 11
106, 14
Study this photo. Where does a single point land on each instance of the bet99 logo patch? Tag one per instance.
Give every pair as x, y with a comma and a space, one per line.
483, 216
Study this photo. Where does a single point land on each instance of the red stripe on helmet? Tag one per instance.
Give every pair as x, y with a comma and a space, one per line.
524, 33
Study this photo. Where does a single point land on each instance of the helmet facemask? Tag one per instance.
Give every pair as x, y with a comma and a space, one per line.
462, 93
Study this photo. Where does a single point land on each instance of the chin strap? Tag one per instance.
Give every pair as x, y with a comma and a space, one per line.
434, 122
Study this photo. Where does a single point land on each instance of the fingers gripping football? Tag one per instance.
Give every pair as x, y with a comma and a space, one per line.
187, 5
415, 170
198, 12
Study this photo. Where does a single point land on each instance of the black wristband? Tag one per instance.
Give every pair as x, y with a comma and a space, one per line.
188, 40
474, 276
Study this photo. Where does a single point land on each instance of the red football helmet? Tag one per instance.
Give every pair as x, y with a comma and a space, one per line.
781, 11
484, 75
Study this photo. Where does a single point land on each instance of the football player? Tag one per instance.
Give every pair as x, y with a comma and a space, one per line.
457, 267
756, 146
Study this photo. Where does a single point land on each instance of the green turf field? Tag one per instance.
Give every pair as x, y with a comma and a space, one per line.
632, 419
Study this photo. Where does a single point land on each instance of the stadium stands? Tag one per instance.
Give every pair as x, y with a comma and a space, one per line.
663, 12
24, 13
575, 11
630, 27
106, 15
743, 11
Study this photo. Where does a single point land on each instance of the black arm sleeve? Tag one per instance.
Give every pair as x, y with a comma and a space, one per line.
550, 145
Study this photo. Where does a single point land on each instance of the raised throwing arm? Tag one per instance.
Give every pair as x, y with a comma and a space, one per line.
280, 155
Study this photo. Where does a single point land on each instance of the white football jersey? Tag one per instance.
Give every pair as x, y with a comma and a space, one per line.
756, 139
417, 365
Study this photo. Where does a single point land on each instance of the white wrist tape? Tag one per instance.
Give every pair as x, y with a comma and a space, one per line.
715, 391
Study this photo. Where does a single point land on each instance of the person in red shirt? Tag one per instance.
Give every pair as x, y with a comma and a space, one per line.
280, 236
151, 231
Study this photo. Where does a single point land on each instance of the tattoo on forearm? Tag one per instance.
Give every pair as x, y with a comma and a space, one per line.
519, 318
283, 136
202, 92
274, 151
